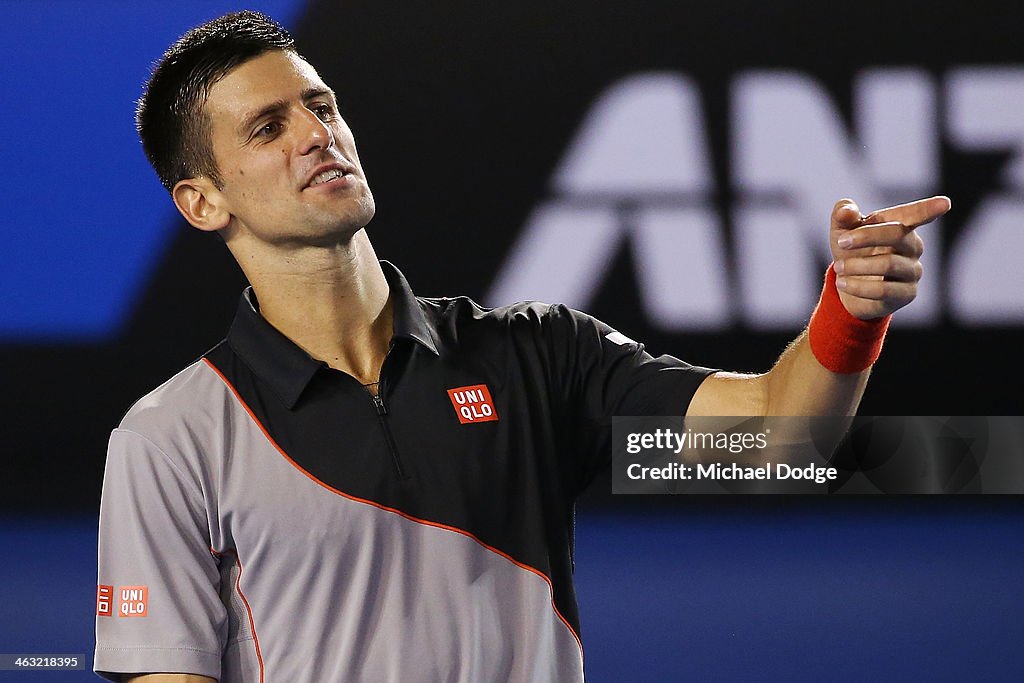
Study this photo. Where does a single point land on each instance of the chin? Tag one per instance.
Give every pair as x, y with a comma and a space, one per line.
362, 216
338, 224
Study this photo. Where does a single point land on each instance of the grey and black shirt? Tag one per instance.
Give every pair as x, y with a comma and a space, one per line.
265, 518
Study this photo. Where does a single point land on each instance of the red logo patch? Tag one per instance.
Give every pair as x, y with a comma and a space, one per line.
104, 600
134, 601
473, 404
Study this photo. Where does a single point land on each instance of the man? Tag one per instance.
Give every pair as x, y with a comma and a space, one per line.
362, 485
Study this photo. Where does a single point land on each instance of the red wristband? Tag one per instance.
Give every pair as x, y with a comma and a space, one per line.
842, 343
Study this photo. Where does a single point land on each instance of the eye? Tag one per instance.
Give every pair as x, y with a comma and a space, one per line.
324, 112
269, 130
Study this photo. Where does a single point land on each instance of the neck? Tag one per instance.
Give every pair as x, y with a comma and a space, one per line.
332, 302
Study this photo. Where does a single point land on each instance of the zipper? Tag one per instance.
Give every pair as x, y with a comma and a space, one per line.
382, 415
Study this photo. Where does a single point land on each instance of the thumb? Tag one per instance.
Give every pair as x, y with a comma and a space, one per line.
846, 215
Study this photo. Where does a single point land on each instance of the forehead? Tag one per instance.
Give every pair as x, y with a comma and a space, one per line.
270, 77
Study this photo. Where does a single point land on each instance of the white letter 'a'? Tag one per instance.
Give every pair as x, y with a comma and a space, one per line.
636, 172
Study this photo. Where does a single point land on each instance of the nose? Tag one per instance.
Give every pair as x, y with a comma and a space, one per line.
315, 134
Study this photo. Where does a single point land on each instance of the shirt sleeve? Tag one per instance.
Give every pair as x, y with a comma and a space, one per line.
604, 374
158, 603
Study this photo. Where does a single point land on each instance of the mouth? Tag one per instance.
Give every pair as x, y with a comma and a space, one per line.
328, 175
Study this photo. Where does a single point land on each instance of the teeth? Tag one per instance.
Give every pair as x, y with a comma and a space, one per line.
326, 176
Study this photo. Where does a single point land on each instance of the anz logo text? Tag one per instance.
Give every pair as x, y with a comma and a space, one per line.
638, 173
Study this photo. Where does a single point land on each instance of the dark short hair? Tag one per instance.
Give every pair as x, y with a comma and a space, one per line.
174, 129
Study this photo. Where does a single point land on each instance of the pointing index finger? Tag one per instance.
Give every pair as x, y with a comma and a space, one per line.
912, 214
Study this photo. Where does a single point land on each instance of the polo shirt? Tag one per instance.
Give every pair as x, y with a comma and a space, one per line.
265, 518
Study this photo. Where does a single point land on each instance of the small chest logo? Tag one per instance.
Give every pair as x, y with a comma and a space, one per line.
473, 404
134, 601
104, 600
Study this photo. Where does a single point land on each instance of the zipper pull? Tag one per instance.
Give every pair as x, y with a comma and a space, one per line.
379, 402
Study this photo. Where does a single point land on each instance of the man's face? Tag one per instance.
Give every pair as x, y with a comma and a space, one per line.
275, 130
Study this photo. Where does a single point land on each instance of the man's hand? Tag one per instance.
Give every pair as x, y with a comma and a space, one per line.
877, 258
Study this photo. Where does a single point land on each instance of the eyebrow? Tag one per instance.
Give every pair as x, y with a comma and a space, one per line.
279, 106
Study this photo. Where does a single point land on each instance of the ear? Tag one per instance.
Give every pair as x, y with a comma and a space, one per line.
202, 204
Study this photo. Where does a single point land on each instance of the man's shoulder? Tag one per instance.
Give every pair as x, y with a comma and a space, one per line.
187, 398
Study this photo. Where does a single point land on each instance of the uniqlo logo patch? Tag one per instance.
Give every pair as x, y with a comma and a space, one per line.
134, 601
473, 404
104, 600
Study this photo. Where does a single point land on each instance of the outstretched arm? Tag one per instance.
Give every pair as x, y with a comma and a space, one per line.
877, 265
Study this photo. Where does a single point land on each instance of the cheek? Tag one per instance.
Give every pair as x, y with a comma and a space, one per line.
343, 134
256, 177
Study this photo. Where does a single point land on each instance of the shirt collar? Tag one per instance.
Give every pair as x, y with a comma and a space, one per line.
287, 368
409, 320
